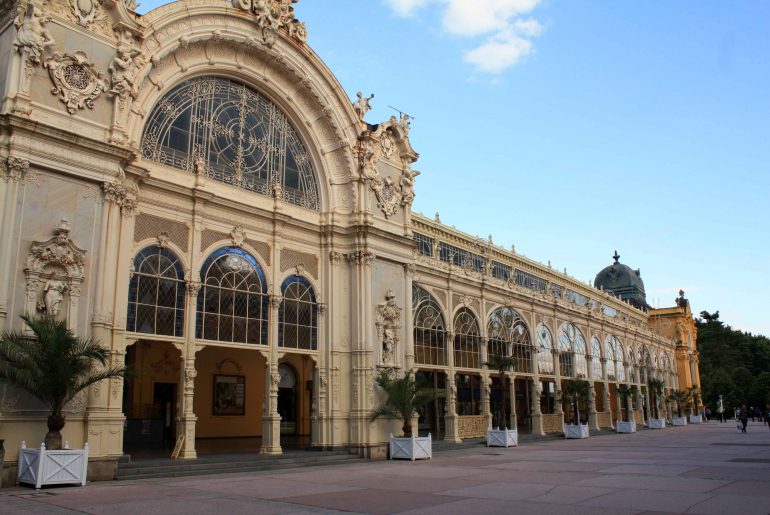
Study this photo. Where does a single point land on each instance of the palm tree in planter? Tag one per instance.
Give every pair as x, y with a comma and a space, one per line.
405, 398
576, 393
53, 365
623, 425
502, 437
681, 398
502, 364
656, 387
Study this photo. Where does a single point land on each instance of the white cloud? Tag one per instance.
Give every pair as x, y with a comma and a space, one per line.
508, 32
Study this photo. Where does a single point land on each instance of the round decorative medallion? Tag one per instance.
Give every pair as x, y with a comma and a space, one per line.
75, 76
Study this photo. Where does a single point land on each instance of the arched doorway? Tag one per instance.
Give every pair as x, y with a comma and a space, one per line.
287, 399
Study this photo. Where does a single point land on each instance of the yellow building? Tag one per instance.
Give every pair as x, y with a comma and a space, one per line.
194, 188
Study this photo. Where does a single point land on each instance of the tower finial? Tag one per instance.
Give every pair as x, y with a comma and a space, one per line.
616, 257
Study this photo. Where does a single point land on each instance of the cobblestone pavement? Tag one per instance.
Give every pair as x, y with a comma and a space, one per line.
710, 469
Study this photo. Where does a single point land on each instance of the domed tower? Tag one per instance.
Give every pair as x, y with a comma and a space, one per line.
624, 282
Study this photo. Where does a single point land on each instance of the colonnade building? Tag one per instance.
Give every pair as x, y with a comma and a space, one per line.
193, 188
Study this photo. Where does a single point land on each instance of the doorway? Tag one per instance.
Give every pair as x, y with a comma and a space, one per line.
287, 399
164, 402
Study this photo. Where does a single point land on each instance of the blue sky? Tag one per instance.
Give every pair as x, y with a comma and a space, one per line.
573, 128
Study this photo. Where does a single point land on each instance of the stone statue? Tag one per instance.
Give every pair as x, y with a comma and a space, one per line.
124, 66
388, 345
53, 297
407, 185
362, 105
680, 300
32, 32
405, 122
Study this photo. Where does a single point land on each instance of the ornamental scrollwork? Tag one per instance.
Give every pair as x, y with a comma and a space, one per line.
87, 11
17, 170
77, 83
272, 16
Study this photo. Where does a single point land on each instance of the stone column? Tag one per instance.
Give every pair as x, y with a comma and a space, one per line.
557, 387
13, 172
606, 398
450, 420
486, 394
537, 414
593, 421
271, 420
512, 422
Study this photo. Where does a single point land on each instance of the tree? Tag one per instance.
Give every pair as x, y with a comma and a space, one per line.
404, 398
625, 392
656, 387
682, 399
578, 391
54, 366
502, 364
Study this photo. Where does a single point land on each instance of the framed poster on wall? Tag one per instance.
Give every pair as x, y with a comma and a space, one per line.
229, 395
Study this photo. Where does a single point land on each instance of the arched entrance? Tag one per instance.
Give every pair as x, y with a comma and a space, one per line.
287, 399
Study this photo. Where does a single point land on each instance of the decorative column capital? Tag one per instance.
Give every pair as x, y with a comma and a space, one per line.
322, 308
17, 170
336, 258
275, 301
193, 288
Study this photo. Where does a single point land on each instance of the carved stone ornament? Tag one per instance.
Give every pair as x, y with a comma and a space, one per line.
238, 235
388, 323
388, 196
87, 11
76, 81
272, 16
32, 34
387, 145
54, 272
17, 170
124, 67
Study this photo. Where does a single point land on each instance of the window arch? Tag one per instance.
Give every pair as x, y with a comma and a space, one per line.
609, 355
567, 351
620, 368
233, 134
156, 293
581, 366
298, 315
232, 303
467, 340
507, 328
429, 329
544, 351
596, 358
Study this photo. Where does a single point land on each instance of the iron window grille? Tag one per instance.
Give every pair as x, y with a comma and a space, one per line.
544, 351
232, 303
461, 257
298, 315
506, 330
429, 329
156, 293
424, 244
232, 134
501, 271
530, 281
467, 340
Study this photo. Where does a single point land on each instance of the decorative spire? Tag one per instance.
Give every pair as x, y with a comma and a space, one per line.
616, 257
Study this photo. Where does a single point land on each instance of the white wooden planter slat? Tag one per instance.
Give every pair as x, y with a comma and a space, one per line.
41, 467
696, 419
414, 448
656, 423
576, 431
679, 421
502, 438
625, 426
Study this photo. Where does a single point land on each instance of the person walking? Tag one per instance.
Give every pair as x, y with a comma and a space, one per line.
721, 410
743, 416
708, 413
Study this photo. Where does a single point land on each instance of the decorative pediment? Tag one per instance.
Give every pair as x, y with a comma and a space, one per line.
58, 251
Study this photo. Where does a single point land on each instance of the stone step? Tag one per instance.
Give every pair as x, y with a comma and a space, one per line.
180, 468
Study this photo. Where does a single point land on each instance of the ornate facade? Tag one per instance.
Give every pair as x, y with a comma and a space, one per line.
193, 188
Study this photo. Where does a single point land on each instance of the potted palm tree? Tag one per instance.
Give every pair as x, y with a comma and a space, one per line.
53, 365
681, 398
629, 425
404, 399
693, 404
576, 392
656, 387
502, 437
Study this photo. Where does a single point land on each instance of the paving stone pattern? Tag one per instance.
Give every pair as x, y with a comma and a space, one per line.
708, 469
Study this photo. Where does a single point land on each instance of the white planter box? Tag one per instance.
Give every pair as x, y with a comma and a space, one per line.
414, 448
502, 438
42, 467
656, 423
576, 431
625, 427
696, 419
679, 421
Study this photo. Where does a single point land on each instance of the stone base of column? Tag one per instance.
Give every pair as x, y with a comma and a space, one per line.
593, 421
537, 425
187, 428
104, 433
271, 435
452, 430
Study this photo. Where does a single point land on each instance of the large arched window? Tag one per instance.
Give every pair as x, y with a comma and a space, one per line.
620, 367
467, 340
609, 355
581, 366
429, 329
544, 351
566, 351
506, 328
232, 303
232, 134
298, 316
156, 293
596, 358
